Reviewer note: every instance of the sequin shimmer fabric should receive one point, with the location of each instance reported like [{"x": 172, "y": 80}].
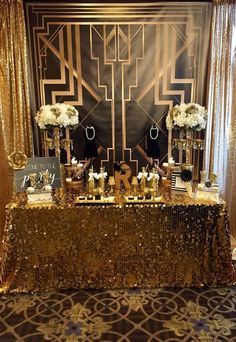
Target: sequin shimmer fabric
[{"x": 147, "y": 246}]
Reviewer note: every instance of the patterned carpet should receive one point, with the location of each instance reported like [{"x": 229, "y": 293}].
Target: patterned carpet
[{"x": 171, "y": 315}]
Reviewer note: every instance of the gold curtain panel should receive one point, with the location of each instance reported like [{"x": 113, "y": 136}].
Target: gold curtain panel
[
  {"x": 14, "y": 93},
  {"x": 147, "y": 245},
  {"x": 15, "y": 122}
]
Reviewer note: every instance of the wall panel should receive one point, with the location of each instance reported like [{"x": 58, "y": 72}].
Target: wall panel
[{"x": 122, "y": 65}]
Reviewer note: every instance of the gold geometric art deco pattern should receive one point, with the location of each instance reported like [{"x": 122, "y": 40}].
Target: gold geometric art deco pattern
[{"x": 122, "y": 65}]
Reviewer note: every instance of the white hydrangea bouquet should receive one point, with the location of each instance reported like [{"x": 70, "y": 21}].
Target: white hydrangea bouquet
[
  {"x": 57, "y": 115},
  {"x": 187, "y": 116}
]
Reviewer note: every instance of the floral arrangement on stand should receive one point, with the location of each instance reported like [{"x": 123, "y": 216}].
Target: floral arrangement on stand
[
  {"x": 57, "y": 116},
  {"x": 188, "y": 119},
  {"x": 187, "y": 116}
]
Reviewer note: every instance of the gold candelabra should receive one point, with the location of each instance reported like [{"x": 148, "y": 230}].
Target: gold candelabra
[{"x": 56, "y": 143}]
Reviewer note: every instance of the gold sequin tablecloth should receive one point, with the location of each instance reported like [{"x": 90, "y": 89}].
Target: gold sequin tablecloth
[{"x": 116, "y": 247}]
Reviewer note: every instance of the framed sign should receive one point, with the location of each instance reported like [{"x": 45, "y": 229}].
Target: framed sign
[{"x": 37, "y": 166}]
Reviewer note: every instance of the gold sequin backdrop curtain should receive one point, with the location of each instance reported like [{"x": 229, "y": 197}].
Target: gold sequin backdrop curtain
[
  {"x": 220, "y": 156},
  {"x": 15, "y": 123}
]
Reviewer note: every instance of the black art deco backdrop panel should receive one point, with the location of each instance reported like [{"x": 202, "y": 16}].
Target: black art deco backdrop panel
[{"x": 122, "y": 65}]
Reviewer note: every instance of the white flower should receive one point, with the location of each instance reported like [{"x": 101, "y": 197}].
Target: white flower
[
  {"x": 59, "y": 114},
  {"x": 190, "y": 115}
]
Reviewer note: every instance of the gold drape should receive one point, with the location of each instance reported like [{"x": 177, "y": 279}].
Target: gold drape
[
  {"x": 15, "y": 125},
  {"x": 220, "y": 154}
]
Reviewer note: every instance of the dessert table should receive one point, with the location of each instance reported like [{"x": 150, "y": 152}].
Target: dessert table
[{"x": 115, "y": 246}]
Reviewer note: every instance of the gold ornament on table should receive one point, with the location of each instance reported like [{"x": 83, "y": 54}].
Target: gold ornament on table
[
  {"x": 32, "y": 178},
  {"x": 101, "y": 180},
  {"x": 91, "y": 181},
  {"x": 134, "y": 184},
  {"x": 17, "y": 160},
  {"x": 45, "y": 175},
  {"x": 39, "y": 192},
  {"x": 111, "y": 183},
  {"x": 142, "y": 176},
  {"x": 153, "y": 181}
]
